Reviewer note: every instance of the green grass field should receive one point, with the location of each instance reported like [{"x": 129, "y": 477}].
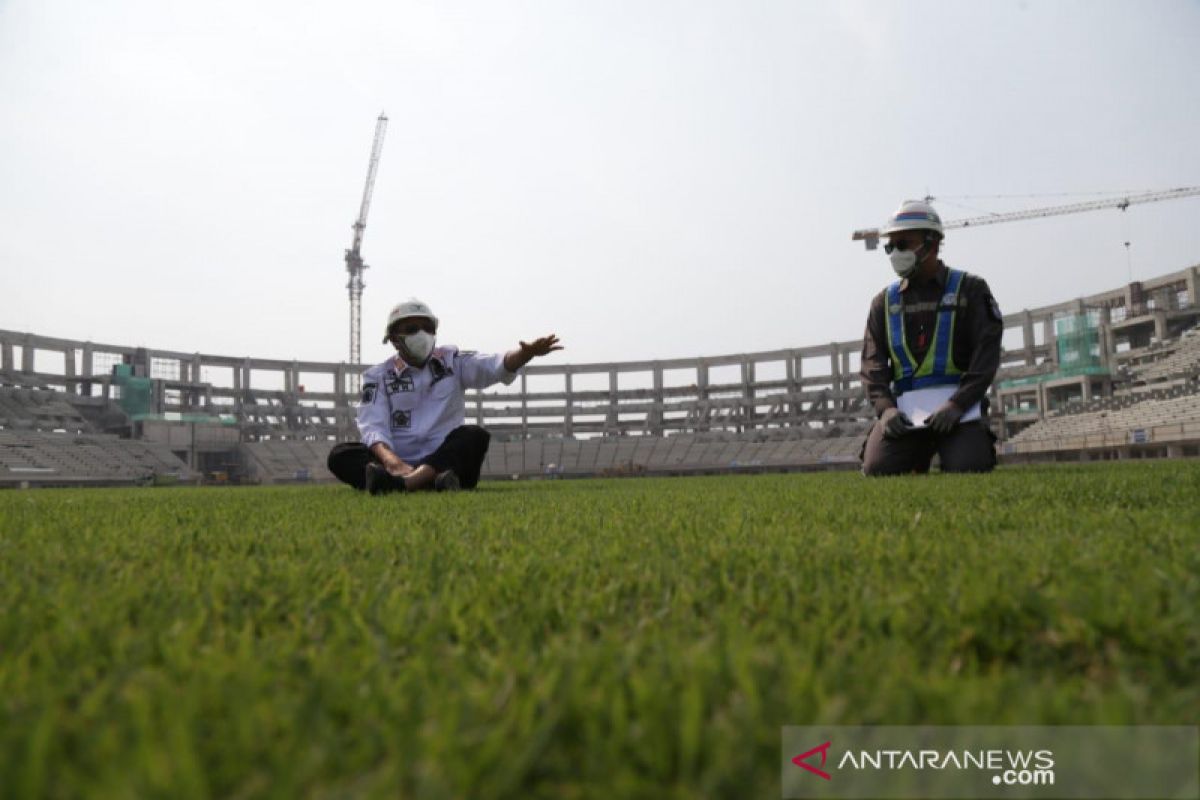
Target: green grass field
[{"x": 620, "y": 638}]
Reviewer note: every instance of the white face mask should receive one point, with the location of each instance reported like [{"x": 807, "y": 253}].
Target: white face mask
[
  {"x": 418, "y": 345},
  {"x": 904, "y": 262}
]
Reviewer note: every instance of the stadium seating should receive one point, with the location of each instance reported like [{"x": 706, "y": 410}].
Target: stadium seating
[
  {"x": 672, "y": 454},
  {"x": 1181, "y": 359},
  {"x": 39, "y": 409},
  {"x": 1122, "y": 417},
  {"x": 287, "y": 461},
  {"x": 39, "y": 458}
]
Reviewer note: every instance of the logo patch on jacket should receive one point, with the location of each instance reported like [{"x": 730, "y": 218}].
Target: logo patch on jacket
[
  {"x": 368, "y": 395},
  {"x": 399, "y": 383},
  {"x": 401, "y": 418}
]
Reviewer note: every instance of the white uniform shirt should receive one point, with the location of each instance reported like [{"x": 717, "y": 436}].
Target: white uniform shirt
[{"x": 413, "y": 409}]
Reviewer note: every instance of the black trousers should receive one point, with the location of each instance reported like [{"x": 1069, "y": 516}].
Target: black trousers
[
  {"x": 463, "y": 451},
  {"x": 970, "y": 447}
]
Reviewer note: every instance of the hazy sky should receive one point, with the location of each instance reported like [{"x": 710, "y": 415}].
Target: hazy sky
[{"x": 647, "y": 179}]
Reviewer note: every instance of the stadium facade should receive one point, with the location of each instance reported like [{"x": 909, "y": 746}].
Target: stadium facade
[{"x": 1112, "y": 375}]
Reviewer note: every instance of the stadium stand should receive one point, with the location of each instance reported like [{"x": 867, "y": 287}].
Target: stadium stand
[
  {"x": 287, "y": 461},
  {"x": 1109, "y": 375},
  {"x": 50, "y": 459}
]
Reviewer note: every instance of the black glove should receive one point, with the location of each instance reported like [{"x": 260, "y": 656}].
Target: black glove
[
  {"x": 895, "y": 423},
  {"x": 945, "y": 418}
]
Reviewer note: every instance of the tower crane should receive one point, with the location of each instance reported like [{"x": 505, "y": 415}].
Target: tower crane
[
  {"x": 354, "y": 261},
  {"x": 870, "y": 236}
]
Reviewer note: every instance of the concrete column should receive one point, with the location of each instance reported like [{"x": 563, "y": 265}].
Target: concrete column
[
  {"x": 524, "y": 407},
  {"x": 844, "y": 384},
  {"x": 1192, "y": 281},
  {"x": 339, "y": 383},
  {"x": 569, "y": 415},
  {"x": 69, "y": 362},
  {"x": 1104, "y": 330},
  {"x": 656, "y": 413},
  {"x": 1051, "y": 339},
  {"x": 1160, "y": 324},
  {"x": 86, "y": 369},
  {"x": 790, "y": 365},
  {"x": 612, "y": 418},
  {"x": 1027, "y": 336},
  {"x": 748, "y": 420},
  {"x": 27, "y": 350},
  {"x": 6, "y": 357}
]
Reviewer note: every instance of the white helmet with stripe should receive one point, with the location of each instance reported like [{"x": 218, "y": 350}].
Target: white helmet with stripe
[
  {"x": 913, "y": 215},
  {"x": 412, "y": 307}
]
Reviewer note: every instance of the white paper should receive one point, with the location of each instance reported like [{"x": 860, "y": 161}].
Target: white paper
[{"x": 919, "y": 404}]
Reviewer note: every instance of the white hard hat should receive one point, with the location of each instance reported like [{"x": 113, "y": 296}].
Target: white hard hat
[
  {"x": 412, "y": 307},
  {"x": 913, "y": 215}
]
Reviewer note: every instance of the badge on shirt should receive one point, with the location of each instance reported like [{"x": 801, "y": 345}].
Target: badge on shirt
[
  {"x": 368, "y": 395},
  {"x": 401, "y": 419},
  {"x": 399, "y": 383}
]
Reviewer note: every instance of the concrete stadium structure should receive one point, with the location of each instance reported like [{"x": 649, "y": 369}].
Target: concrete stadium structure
[{"x": 1112, "y": 375}]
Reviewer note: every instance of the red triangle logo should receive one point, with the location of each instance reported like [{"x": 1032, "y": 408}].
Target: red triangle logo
[{"x": 800, "y": 760}]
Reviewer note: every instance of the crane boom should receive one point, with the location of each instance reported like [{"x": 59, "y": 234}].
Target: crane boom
[
  {"x": 354, "y": 261},
  {"x": 870, "y": 236},
  {"x": 360, "y": 225}
]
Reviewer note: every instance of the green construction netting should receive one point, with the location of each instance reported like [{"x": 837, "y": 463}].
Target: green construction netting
[
  {"x": 137, "y": 398},
  {"x": 1077, "y": 341},
  {"x": 137, "y": 394}
]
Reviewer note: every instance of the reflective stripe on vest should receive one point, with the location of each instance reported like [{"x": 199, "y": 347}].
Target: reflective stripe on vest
[{"x": 938, "y": 367}]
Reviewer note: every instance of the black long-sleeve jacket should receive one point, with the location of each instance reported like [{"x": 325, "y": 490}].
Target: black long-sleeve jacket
[{"x": 978, "y": 330}]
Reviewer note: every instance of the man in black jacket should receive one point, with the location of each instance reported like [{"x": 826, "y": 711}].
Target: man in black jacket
[{"x": 931, "y": 349}]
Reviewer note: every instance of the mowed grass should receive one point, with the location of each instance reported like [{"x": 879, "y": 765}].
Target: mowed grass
[{"x": 620, "y": 638}]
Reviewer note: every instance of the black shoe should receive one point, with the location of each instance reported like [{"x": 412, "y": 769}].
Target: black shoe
[
  {"x": 380, "y": 481},
  {"x": 447, "y": 482}
]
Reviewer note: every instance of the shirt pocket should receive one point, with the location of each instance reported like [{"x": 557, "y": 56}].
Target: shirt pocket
[
  {"x": 404, "y": 401},
  {"x": 444, "y": 389}
]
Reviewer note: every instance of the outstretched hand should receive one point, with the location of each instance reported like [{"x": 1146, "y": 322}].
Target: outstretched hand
[{"x": 540, "y": 347}]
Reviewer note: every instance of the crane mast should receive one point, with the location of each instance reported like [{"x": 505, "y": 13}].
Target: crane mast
[
  {"x": 870, "y": 236},
  {"x": 354, "y": 261}
]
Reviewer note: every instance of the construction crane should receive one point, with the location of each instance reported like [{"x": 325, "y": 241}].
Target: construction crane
[
  {"x": 870, "y": 236},
  {"x": 354, "y": 261}
]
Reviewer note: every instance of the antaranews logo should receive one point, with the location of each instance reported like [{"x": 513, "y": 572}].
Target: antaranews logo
[
  {"x": 1008, "y": 767},
  {"x": 929, "y": 762}
]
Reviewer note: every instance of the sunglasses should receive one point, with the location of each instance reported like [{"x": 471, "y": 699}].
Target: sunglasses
[
  {"x": 902, "y": 246},
  {"x": 409, "y": 328}
]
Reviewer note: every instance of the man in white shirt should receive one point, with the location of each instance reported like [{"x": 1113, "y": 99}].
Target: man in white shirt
[{"x": 412, "y": 411}]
